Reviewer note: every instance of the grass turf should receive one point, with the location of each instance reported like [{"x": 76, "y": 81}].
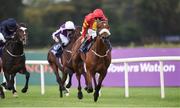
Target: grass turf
[{"x": 111, "y": 97}]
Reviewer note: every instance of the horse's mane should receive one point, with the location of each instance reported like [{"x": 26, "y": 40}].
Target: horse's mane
[
  {"x": 77, "y": 30},
  {"x": 76, "y": 33}
]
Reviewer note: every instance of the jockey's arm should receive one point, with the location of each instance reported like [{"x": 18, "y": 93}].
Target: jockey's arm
[
  {"x": 55, "y": 35},
  {"x": 84, "y": 28}
]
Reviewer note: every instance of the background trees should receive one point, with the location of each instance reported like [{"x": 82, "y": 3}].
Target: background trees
[{"x": 131, "y": 21}]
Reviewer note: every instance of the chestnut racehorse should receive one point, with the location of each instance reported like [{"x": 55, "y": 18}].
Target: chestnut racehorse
[
  {"x": 64, "y": 64},
  {"x": 96, "y": 60}
]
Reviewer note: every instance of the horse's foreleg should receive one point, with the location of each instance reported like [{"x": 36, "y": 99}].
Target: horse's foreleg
[
  {"x": 64, "y": 78},
  {"x": 95, "y": 83},
  {"x": 58, "y": 78},
  {"x": 70, "y": 74},
  {"x": 86, "y": 82},
  {"x": 27, "y": 74},
  {"x": 10, "y": 82},
  {"x": 98, "y": 87},
  {"x": 11, "y": 85},
  {"x": 80, "y": 95},
  {"x": 89, "y": 82},
  {"x": 2, "y": 95},
  {"x": 7, "y": 77}
]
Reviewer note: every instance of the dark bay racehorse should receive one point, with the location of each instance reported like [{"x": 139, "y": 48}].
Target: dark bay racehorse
[
  {"x": 64, "y": 64},
  {"x": 13, "y": 59},
  {"x": 96, "y": 60}
]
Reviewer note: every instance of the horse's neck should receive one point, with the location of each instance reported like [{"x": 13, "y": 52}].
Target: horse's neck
[
  {"x": 70, "y": 45},
  {"x": 99, "y": 47},
  {"x": 17, "y": 48}
]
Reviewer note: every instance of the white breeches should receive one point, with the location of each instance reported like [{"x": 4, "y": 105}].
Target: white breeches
[
  {"x": 64, "y": 39},
  {"x": 92, "y": 33}
]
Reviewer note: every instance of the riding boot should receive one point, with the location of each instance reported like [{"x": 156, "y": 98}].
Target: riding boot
[
  {"x": 86, "y": 45},
  {"x": 57, "y": 50}
]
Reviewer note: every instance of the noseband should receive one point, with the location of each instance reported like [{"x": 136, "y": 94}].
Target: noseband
[{"x": 105, "y": 40}]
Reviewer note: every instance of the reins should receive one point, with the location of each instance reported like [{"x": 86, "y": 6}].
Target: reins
[{"x": 13, "y": 55}]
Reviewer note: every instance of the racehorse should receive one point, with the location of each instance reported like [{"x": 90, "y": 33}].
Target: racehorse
[
  {"x": 13, "y": 59},
  {"x": 64, "y": 64},
  {"x": 96, "y": 60}
]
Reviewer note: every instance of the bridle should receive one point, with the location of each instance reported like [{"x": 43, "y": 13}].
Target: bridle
[
  {"x": 103, "y": 34},
  {"x": 21, "y": 39}
]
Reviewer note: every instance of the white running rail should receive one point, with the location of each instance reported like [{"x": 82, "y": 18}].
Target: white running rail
[{"x": 160, "y": 59}]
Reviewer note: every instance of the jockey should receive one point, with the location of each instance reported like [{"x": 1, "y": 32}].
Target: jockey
[
  {"x": 7, "y": 29},
  {"x": 90, "y": 27},
  {"x": 61, "y": 37}
]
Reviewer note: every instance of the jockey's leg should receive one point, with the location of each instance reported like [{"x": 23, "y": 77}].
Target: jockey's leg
[
  {"x": 83, "y": 46},
  {"x": 57, "y": 50},
  {"x": 86, "y": 45}
]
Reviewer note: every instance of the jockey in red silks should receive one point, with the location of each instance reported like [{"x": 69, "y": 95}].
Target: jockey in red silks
[
  {"x": 61, "y": 37},
  {"x": 90, "y": 28}
]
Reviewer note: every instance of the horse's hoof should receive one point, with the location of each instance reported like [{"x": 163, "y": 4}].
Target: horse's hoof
[
  {"x": 86, "y": 88},
  {"x": 80, "y": 95},
  {"x": 2, "y": 95},
  {"x": 96, "y": 97},
  {"x": 24, "y": 90},
  {"x": 15, "y": 94},
  {"x": 4, "y": 84},
  {"x": 89, "y": 90},
  {"x": 66, "y": 92},
  {"x": 68, "y": 85}
]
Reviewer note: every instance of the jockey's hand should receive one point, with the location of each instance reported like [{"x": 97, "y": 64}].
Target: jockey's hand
[
  {"x": 55, "y": 38},
  {"x": 2, "y": 38}
]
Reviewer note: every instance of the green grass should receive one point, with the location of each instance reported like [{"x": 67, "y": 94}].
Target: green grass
[{"x": 111, "y": 97}]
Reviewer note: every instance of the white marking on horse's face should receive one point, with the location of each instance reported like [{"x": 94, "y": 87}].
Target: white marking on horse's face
[
  {"x": 104, "y": 30},
  {"x": 23, "y": 29}
]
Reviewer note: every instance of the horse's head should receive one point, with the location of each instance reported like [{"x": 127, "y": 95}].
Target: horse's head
[
  {"x": 21, "y": 33},
  {"x": 103, "y": 29},
  {"x": 75, "y": 34},
  {"x": 104, "y": 33}
]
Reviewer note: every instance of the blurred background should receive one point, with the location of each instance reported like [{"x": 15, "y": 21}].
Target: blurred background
[{"x": 133, "y": 22}]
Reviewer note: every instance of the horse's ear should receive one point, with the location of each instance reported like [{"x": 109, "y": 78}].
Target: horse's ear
[
  {"x": 77, "y": 31},
  {"x": 22, "y": 25},
  {"x": 78, "y": 27}
]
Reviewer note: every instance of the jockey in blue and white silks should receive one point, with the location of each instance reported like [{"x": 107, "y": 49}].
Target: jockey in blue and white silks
[
  {"x": 7, "y": 29},
  {"x": 61, "y": 37}
]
